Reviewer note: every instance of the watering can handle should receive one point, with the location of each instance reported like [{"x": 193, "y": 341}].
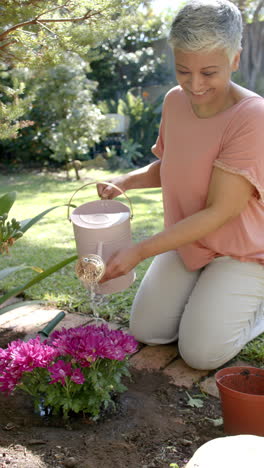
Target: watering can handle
[{"x": 105, "y": 183}]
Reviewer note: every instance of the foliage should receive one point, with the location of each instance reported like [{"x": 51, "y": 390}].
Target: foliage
[
  {"x": 12, "y": 105},
  {"x": 144, "y": 119},
  {"x": 9, "y": 113},
  {"x": 70, "y": 122},
  {"x": 252, "y": 10},
  {"x": 194, "y": 402},
  {"x": 128, "y": 157},
  {"x": 254, "y": 351},
  {"x": 66, "y": 122},
  {"x": 40, "y": 31},
  {"x": 129, "y": 60},
  {"x": 37, "y": 34},
  {"x": 43, "y": 275},
  {"x": 144, "y": 122},
  {"x": 55, "y": 135},
  {"x": 10, "y": 232},
  {"x": 74, "y": 370},
  {"x": 130, "y": 152},
  {"x": 260, "y": 86}
]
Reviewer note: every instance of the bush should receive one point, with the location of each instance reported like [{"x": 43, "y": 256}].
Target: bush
[{"x": 143, "y": 128}]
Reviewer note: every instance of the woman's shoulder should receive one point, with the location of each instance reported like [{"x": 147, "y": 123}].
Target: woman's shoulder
[
  {"x": 240, "y": 92},
  {"x": 248, "y": 108},
  {"x": 246, "y": 117},
  {"x": 247, "y": 98},
  {"x": 175, "y": 96},
  {"x": 174, "y": 93}
]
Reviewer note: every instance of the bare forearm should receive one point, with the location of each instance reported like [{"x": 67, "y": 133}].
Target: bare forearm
[
  {"x": 145, "y": 177},
  {"x": 228, "y": 196},
  {"x": 184, "y": 232}
]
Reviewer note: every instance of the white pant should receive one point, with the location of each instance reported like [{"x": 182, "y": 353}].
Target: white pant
[{"x": 213, "y": 312}]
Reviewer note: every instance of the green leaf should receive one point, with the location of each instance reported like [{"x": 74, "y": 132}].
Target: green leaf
[
  {"x": 6, "y": 202},
  {"x": 76, "y": 406},
  {"x": 37, "y": 279},
  {"x": 3, "y": 310},
  {"x": 194, "y": 402},
  {"x": 27, "y": 223},
  {"x": 42, "y": 387},
  {"x": 10, "y": 270},
  {"x": 216, "y": 422}
]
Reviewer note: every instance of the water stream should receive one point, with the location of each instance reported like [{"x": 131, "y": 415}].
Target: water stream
[{"x": 95, "y": 301}]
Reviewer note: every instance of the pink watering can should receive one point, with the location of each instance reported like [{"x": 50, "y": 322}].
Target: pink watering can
[{"x": 101, "y": 228}]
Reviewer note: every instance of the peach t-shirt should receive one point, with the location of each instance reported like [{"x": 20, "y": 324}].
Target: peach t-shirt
[{"x": 189, "y": 148}]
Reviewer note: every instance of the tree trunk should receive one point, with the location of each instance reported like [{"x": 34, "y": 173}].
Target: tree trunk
[{"x": 252, "y": 54}]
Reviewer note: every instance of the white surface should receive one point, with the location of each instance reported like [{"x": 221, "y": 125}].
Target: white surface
[
  {"x": 241, "y": 451},
  {"x": 104, "y": 220}
]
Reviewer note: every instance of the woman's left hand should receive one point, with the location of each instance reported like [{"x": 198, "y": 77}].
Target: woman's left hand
[{"x": 121, "y": 263}]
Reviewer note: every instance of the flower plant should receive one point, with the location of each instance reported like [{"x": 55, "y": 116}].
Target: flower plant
[
  {"x": 76, "y": 369},
  {"x": 10, "y": 232}
]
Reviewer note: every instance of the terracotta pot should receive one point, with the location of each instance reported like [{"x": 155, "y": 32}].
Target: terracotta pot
[{"x": 242, "y": 398}]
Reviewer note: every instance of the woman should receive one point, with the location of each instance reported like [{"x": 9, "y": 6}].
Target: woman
[{"x": 205, "y": 286}]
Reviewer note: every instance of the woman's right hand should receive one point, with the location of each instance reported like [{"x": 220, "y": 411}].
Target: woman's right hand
[{"x": 107, "y": 191}]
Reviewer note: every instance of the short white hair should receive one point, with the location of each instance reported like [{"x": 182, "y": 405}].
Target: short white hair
[{"x": 207, "y": 25}]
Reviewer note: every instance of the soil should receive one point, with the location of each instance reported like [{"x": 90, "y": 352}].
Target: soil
[{"x": 152, "y": 427}]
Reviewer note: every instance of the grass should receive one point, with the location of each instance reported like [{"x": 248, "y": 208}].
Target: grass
[
  {"x": 51, "y": 240},
  {"x": 254, "y": 351}
]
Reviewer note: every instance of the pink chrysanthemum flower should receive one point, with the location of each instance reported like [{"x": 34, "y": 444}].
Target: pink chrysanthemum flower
[
  {"x": 86, "y": 344},
  {"x": 59, "y": 371},
  {"x": 78, "y": 377},
  {"x": 62, "y": 355},
  {"x": 20, "y": 357}
]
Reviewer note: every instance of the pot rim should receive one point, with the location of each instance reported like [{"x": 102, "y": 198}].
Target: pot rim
[{"x": 237, "y": 370}]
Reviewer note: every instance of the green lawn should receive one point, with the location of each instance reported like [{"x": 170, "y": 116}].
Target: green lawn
[{"x": 51, "y": 240}]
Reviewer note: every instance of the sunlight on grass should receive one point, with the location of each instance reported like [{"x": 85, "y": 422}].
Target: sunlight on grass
[
  {"x": 52, "y": 240},
  {"x": 254, "y": 351}
]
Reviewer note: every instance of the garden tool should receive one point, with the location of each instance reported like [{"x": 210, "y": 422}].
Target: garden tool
[{"x": 101, "y": 228}]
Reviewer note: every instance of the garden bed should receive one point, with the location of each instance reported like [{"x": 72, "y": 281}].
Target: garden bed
[{"x": 153, "y": 426}]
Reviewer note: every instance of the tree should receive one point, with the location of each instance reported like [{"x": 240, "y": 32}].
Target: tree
[
  {"x": 36, "y": 33},
  {"x": 66, "y": 122},
  {"x": 253, "y": 40},
  {"x": 250, "y": 9},
  {"x": 129, "y": 60},
  {"x": 71, "y": 123}
]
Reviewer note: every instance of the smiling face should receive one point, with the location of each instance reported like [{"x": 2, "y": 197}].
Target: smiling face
[{"x": 205, "y": 78}]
